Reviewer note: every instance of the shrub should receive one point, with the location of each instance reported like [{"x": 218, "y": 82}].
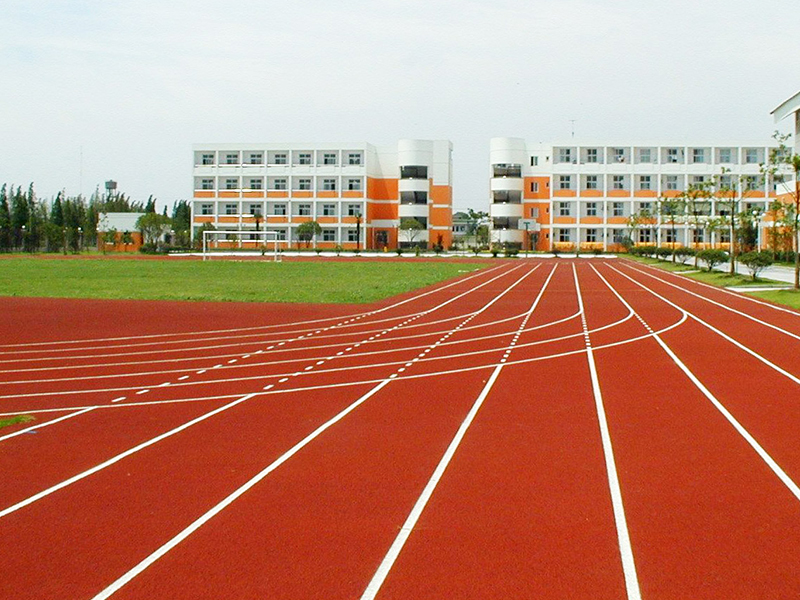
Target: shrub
[
  {"x": 597, "y": 251},
  {"x": 495, "y": 251},
  {"x": 681, "y": 253},
  {"x": 647, "y": 250},
  {"x": 756, "y": 262},
  {"x": 511, "y": 252},
  {"x": 556, "y": 252},
  {"x": 663, "y": 253},
  {"x": 399, "y": 251},
  {"x": 712, "y": 258}
]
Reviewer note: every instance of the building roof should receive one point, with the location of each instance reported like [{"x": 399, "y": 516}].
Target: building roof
[{"x": 786, "y": 108}]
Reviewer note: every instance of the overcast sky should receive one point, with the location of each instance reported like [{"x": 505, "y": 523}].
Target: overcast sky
[{"x": 130, "y": 86}]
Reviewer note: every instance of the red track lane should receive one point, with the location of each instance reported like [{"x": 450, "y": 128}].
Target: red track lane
[
  {"x": 707, "y": 518},
  {"x": 524, "y": 509}
]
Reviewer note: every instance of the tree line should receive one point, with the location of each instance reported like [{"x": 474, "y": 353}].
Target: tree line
[{"x": 29, "y": 223}]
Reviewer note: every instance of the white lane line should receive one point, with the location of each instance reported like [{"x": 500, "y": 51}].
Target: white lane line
[
  {"x": 201, "y": 372},
  {"x": 765, "y": 456},
  {"x": 144, "y": 564},
  {"x": 405, "y": 531},
  {"x": 120, "y": 399},
  {"x": 119, "y": 457},
  {"x": 140, "y": 392},
  {"x": 45, "y": 424},
  {"x": 623, "y": 536},
  {"x": 183, "y": 378},
  {"x": 165, "y": 384}
]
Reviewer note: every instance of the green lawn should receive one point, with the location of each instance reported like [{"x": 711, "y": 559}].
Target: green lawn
[
  {"x": 8, "y": 421},
  {"x": 790, "y": 298},
  {"x": 222, "y": 280}
]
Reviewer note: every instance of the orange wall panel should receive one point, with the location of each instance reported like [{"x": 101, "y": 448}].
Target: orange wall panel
[
  {"x": 253, "y": 194},
  {"x": 229, "y": 219},
  {"x": 382, "y": 189},
  {"x": 326, "y": 220},
  {"x": 203, "y": 194},
  {"x": 544, "y": 188},
  {"x": 379, "y": 211},
  {"x": 277, "y": 220},
  {"x": 352, "y": 194},
  {"x": 229, "y": 194},
  {"x": 617, "y": 220},
  {"x": 440, "y": 217},
  {"x": 592, "y": 220},
  {"x": 441, "y": 194},
  {"x": 302, "y": 194},
  {"x": 327, "y": 194},
  {"x": 591, "y": 193},
  {"x": 564, "y": 193},
  {"x": 277, "y": 194},
  {"x": 204, "y": 219},
  {"x": 619, "y": 194},
  {"x": 645, "y": 194},
  {"x": 564, "y": 220},
  {"x": 670, "y": 193}
]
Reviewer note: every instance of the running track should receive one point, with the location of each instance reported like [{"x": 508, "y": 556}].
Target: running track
[{"x": 539, "y": 429}]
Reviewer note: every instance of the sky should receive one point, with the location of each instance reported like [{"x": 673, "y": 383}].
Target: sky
[{"x": 92, "y": 90}]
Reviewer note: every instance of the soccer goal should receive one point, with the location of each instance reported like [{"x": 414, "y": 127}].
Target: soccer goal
[{"x": 230, "y": 242}]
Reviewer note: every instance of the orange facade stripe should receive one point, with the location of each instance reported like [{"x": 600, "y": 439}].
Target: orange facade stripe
[
  {"x": 253, "y": 194},
  {"x": 204, "y": 219},
  {"x": 229, "y": 219},
  {"x": 377, "y": 212},
  {"x": 277, "y": 194},
  {"x": 619, "y": 194},
  {"x": 645, "y": 194},
  {"x": 352, "y": 194},
  {"x": 591, "y": 193},
  {"x": 326, "y": 220},
  {"x": 277, "y": 220},
  {"x": 440, "y": 217},
  {"x": 564, "y": 193},
  {"x": 297, "y": 194},
  {"x": 441, "y": 194},
  {"x": 382, "y": 189},
  {"x": 592, "y": 220},
  {"x": 328, "y": 194},
  {"x": 564, "y": 220},
  {"x": 544, "y": 188},
  {"x": 203, "y": 194},
  {"x": 617, "y": 221},
  {"x": 229, "y": 194}
]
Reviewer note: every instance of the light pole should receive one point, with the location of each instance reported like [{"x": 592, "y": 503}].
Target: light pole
[
  {"x": 527, "y": 239},
  {"x": 80, "y": 239}
]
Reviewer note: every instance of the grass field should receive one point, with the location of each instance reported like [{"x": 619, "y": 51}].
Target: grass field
[{"x": 247, "y": 281}]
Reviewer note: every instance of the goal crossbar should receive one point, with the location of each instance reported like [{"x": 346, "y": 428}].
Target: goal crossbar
[{"x": 240, "y": 243}]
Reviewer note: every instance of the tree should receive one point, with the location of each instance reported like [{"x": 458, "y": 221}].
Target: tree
[
  {"x": 411, "y": 228},
  {"x": 110, "y": 239},
  {"x": 672, "y": 210},
  {"x": 5, "y": 222},
  {"x": 783, "y": 160},
  {"x": 150, "y": 207},
  {"x": 475, "y": 218},
  {"x": 153, "y": 227},
  {"x": 307, "y": 231},
  {"x": 698, "y": 203},
  {"x": 127, "y": 238}
]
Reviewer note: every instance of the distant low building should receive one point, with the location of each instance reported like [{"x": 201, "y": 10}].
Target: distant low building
[{"x": 127, "y": 237}]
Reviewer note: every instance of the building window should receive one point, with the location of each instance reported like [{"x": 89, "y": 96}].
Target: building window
[
  {"x": 591, "y": 235},
  {"x": 618, "y": 236},
  {"x": 564, "y": 209},
  {"x": 413, "y": 172},
  {"x": 535, "y": 187},
  {"x": 534, "y": 161},
  {"x": 564, "y": 235},
  {"x": 255, "y": 209},
  {"x": 304, "y": 184},
  {"x": 645, "y": 236},
  {"x": 534, "y": 212},
  {"x": 231, "y": 184},
  {"x": 645, "y": 206},
  {"x": 698, "y": 155},
  {"x": 328, "y": 235},
  {"x": 329, "y": 185},
  {"x": 565, "y": 155},
  {"x": 231, "y": 209},
  {"x": 619, "y": 155},
  {"x": 354, "y": 185},
  {"x": 353, "y": 210},
  {"x": 618, "y": 182},
  {"x": 256, "y": 158},
  {"x": 279, "y": 210},
  {"x": 354, "y": 158},
  {"x": 591, "y": 182},
  {"x": 671, "y": 236},
  {"x": 672, "y": 182},
  {"x": 725, "y": 155},
  {"x": 422, "y": 197},
  {"x": 256, "y": 184},
  {"x": 304, "y": 210},
  {"x": 645, "y": 155},
  {"x": 698, "y": 236},
  {"x": 208, "y": 159},
  {"x": 232, "y": 159},
  {"x": 304, "y": 158},
  {"x": 751, "y": 156},
  {"x": 279, "y": 184},
  {"x": 618, "y": 209},
  {"x": 280, "y": 159},
  {"x": 565, "y": 182},
  {"x": 672, "y": 155},
  {"x": 207, "y": 184},
  {"x": 751, "y": 182},
  {"x": 645, "y": 182},
  {"x": 726, "y": 182},
  {"x": 591, "y": 209},
  {"x": 206, "y": 209},
  {"x": 352, "y": 235},
  {"x": 698, "y": 180},
  {"x": 328, "y": 210},
  {"x": 329, "y": 158},
  {"x": 591, "y": 155}
]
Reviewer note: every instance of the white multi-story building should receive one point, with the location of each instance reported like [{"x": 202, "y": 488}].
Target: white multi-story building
[
  {"x": 597, "y": 195},
  {"x": 358, "y": 193}
]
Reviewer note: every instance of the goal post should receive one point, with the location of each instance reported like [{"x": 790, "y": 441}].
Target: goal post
[{"x": 242, "y": 240}]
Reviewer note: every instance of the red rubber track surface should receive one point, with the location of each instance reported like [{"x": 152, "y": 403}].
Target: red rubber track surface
[{"x": 335, "y": 419}]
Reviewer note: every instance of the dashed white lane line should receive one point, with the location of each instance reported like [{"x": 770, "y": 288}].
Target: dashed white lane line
[
  {"x": 140, "y": 392},
  {"x": 231, "y": 361},
  {"x": 183, "y": 378},
  {"x": 284, "y": 380},
  {"x": 269, "y": 387},
  {"x": 120, "y": 399},
  {"x": 216, "y": 366},
  {"x": 165, "y": 384},
  {"x": 201, "y": 371}
]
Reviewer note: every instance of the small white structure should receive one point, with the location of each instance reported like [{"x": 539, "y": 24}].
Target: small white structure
[{"x": 786, "y": 108}]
